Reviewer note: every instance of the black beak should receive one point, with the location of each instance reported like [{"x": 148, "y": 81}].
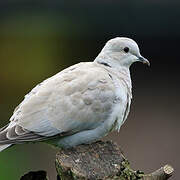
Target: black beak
[{"x": 144, "y": 60}]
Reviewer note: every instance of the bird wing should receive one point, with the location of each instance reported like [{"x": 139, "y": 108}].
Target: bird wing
[{"x": 78, "y": 98}]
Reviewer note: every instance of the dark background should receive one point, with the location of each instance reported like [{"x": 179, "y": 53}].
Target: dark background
[{"x": 40, "y": 38}]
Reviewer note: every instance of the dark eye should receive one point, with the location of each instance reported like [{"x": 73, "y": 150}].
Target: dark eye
[{"x": 126, "y": 49}]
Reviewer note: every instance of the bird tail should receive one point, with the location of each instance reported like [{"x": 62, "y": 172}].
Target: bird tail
[
  {"x": 3, "y": 147},
  {"x": 14, "y": 134}
]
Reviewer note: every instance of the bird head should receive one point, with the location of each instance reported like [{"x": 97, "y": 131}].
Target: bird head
[{"x": 122, "y": 51}]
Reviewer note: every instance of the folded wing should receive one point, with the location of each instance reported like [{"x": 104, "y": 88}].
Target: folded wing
[{"x": 78, "y": 98}]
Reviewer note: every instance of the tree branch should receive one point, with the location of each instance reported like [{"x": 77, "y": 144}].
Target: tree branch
[
  {"x": 99, "y": 160},
  {"x": 161, "y": 174}
]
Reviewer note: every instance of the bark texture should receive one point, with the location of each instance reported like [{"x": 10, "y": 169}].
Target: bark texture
[{"x": 99, "y": 160}]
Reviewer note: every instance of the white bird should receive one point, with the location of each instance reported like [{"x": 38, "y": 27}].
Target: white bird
[{"x": 80, "y": 104}]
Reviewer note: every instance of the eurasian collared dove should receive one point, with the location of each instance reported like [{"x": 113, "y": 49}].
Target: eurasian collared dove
[{"x": 80, "y": 104}]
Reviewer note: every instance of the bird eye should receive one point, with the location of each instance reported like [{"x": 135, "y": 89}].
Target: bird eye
[{"x": 126, "y": 49}]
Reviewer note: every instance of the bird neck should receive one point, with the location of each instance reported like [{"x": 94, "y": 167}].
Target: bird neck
[
  {"x": 106, "y": 59},
  {"x": 112, "y": 65}
]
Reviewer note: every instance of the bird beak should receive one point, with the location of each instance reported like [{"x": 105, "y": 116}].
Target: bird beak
[{"x": 144, "y": 60}]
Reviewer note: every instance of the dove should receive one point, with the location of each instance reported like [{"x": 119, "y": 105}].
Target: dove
[{"x": 80, "y": 104}]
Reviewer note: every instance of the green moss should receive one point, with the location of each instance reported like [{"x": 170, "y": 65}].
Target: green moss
[{"x": 127, "y": 173}]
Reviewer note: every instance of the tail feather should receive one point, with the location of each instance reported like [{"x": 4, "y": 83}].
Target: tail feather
[
  {"x": 2, "y": 147},
  {"x": 15, "y": 134}
]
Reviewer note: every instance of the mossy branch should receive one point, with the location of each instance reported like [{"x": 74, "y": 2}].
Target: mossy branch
[{"x": 100, "y": 160}]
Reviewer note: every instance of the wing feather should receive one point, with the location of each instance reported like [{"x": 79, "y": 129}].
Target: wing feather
[{"x": 78, "y": 98}]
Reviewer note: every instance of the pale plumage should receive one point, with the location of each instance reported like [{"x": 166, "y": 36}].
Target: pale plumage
[{"x": 78, "y": 105}]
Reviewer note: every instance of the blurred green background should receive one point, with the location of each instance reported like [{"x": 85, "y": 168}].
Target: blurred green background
[{"x": 40, "y": 38}]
